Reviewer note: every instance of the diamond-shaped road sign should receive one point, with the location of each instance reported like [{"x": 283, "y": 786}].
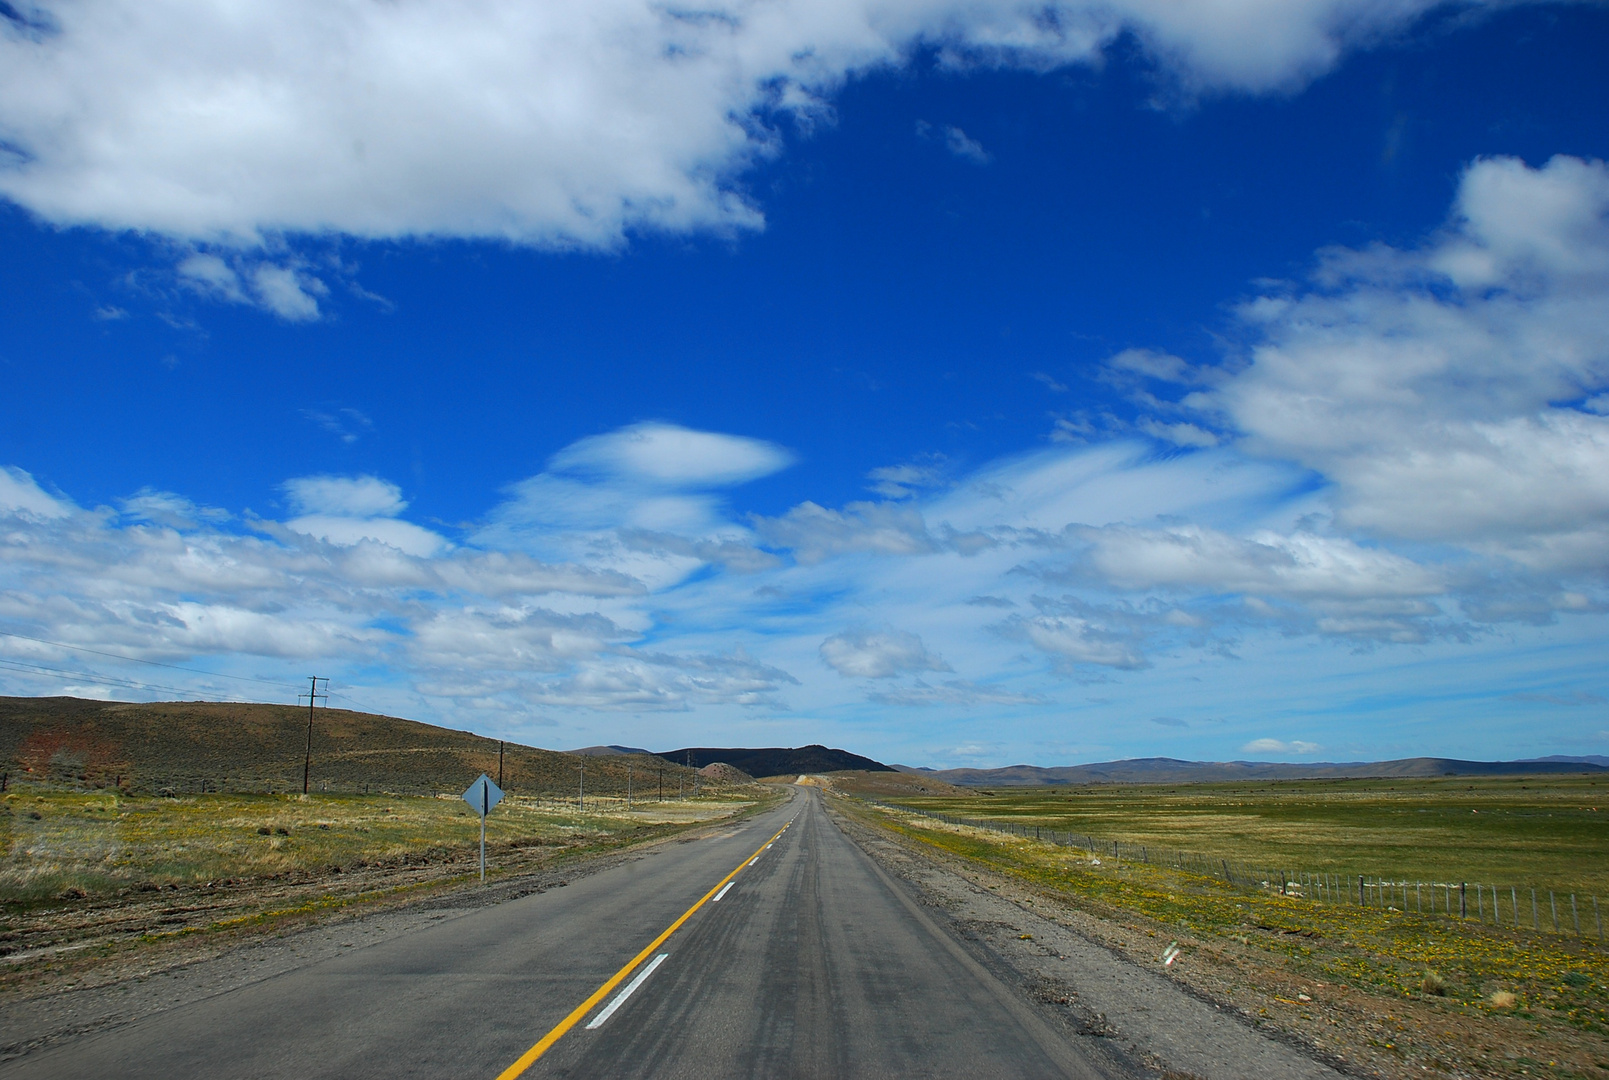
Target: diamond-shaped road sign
[{"x": 483, "y": 795}]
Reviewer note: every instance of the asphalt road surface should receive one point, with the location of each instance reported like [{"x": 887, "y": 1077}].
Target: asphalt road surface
[{"x": 805, "y": 962}]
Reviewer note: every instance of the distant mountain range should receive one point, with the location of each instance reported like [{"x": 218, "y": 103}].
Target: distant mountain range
[
  {"x": 1173, "y": 771},
  {"x": 776, "y": 760}
]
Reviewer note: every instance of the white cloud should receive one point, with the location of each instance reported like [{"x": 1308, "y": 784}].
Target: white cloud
[
  {"x": 167, "y": 508},
  {"x": 557, "y": 124},
  {"x": 671, "y": 456},
  {"x": 814, "y": 533},
  {"x": 348, "y": 510},
  {"x": 1301, "y": 565},
  {"x": 878, "y": 654},
  {"x": 348, "y": 496},
  {"x": 20, "y": 494},
  {"x": 904, "y": 481},
  {"x": 285, "y": 290},
  {"x": 964, "y": 146},
  {"x": 1446, "y": 390},
  {"x": 1075, "y": 641},
  {"x": 1278, "y": 746},
  {"x": 287, "y": 293},
  {"x": 345, "y": 531}
]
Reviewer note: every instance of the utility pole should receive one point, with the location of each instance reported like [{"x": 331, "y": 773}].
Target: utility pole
[
  {"x": 312, "y": 696},
  {"x": 500, "y": 764},
  {"x": 628, "y": 783},
  {"x": 583, "y": 800},
  {"x": 661, "y": 772}
]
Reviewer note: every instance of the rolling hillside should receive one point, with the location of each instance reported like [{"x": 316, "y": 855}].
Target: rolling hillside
[{"x": 185, "y": 747}]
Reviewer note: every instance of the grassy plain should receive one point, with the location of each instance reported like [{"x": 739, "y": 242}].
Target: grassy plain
[
  {"x": 1548, "y": 832},
  {"x": 105, "y": 870},
  {"x": 1352, "y": 982}
]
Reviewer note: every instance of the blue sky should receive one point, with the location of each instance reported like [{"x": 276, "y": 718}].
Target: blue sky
[{"x": 958, "y": 384}]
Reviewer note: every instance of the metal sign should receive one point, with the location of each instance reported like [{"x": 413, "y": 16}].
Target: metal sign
[{"x": 481, "y": 796}]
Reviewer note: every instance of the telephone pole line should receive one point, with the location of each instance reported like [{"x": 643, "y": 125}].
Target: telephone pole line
[{"x": 312, "y": 696}]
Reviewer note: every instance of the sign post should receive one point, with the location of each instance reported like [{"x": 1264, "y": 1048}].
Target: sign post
[{"x": 481, "y": 797}]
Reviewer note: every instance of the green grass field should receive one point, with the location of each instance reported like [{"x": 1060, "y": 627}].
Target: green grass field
[
  {"x": 1551, "y": 832},
  {"x": 1461, "y": 995}
]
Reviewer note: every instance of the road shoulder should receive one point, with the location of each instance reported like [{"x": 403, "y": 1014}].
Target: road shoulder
[{"x": 1094, "y": 993}]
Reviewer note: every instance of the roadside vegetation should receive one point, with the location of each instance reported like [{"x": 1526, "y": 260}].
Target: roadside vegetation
[
  {"x": 1398, "y": 992},
  {"x": 103, "y": 870}
]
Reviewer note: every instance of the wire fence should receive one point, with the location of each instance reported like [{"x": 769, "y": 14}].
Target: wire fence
[{"x": 1504, "y": 906}]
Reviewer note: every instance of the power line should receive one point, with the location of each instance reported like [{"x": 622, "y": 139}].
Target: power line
[
  {"x": 112, "y": 680},
  {"x": 98, "y": 680}
]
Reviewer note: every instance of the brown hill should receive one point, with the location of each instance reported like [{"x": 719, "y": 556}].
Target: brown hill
[
  {"x": 723, "y": 773},
  {"x": 182, "y": 746}
]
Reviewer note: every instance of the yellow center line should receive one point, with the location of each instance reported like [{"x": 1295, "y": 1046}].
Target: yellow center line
[{"x": 528, "y": 1058}]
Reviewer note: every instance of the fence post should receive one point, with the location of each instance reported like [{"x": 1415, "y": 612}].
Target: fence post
[
  {"x": 1536, "y": 919},
  {"x": 1463, "y": 900},
  {"x": 1553, "y": 905},
  {"x": 1599, "y": 919},
  {"x": 1360, "y": 890},
  {"x": 1574, "y": 917}
]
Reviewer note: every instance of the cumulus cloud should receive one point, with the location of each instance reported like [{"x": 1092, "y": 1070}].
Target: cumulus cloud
[
  {"x": 1279, "y": 746},
  {"x": 547, "y": 124},
  {"x": 1446, "y": 390},
  {"x": 878, "y": 654},
  {"x": 463, "y": 627}
]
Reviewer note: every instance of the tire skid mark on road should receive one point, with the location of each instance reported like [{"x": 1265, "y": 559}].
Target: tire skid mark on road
[{"x": 529, "y": 1058}]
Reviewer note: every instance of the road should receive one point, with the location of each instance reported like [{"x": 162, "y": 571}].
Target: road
[{"x": 809, "y": 962}]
